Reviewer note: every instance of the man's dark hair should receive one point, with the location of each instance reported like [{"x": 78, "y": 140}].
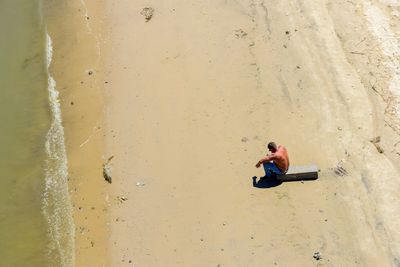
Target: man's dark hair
[{"x": 272, "y": 145}]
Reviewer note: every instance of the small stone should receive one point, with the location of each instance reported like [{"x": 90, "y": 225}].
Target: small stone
[
  {"x": 122, "y": 199},
  {"x": 339, "y": 128},
  {"x": 106, "y": 174},
  {"x": 287, "y": 32},
  {"x": 379, "y": 148},
  {"x": 130, "y": 261},
  {"x": 72, "y": 103},
  {"x": 317, "y": 256},
  {"x": 90, "y": 72},
  {"x": 244, "y": 139},
  {"x": 107, "y": 170},
  {"x": 140, "y": 184}
]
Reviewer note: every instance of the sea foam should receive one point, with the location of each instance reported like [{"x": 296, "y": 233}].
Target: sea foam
[{"x": 57, "y": 207}]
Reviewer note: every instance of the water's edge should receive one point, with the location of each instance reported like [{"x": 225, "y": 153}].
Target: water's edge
[{"x": 57, "y": 207}]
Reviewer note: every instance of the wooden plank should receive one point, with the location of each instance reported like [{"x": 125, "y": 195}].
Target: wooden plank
[{"x": 299, "y": 173}]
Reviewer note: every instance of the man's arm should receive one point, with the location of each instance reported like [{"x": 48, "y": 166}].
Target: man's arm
[{"x": 265, "y": 159}]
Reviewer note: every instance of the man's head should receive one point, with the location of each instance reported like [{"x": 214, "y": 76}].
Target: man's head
[{"x": 272, "y": 147}]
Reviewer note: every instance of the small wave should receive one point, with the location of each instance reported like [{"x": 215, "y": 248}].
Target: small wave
[{"x": 57, "y": 207}]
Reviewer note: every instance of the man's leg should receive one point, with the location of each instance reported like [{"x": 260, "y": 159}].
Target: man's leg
[
  {"x": 267, "y": 168},
  {"x": 271, "y": 170}
]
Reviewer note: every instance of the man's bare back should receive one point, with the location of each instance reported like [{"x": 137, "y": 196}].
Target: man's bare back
[{"x": 278, "y": 156}]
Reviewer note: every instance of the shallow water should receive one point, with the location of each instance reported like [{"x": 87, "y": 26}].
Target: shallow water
[{"x": 27, "y": 118}]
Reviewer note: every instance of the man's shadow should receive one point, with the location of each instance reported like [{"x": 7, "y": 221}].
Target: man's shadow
[{"x": 265, "y": 182}]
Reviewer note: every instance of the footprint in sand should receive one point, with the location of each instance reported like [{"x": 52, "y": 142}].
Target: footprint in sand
[
  {"x": 147, "y": 12},
  {"x": 240, "y": 33}
]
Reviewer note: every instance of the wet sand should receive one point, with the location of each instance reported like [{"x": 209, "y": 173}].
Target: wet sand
[
  {"x": 76, "y": 30},
  {"x": 192, "y": 95}
]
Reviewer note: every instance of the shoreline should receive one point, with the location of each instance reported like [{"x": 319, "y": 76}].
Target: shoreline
[{"x": 75, "y": 29}]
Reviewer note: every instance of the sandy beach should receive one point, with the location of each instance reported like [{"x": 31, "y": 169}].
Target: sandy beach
[
  {"x": 186, "y": 94},
  {"x": 77, "y": 68}
]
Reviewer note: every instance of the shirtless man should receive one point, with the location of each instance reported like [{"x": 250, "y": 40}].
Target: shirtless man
[{"x": 277, "y": 162}]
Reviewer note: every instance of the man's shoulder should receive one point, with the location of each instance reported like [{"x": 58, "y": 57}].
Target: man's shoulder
[{"x": 282, "y": 148}]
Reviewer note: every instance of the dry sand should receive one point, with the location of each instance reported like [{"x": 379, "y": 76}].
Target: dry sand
[{"x": 192, "y": 97}]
